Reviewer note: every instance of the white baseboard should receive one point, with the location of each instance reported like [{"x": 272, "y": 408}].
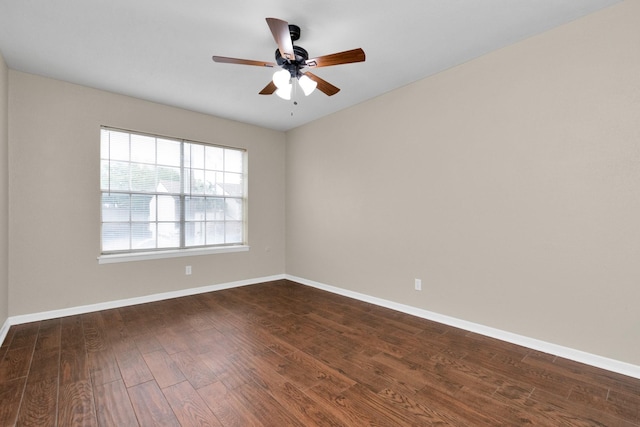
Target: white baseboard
[
  {"x": 532, "y": 343},
  {"x": 535, "y": 344},
  {"x": 54, "y": 314},
  {"x": 4, "y": 331}
]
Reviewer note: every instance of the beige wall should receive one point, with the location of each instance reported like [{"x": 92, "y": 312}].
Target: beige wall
[
  {"x": 4, "y": 192},
  {"x": 54, "y": 235},
  {"x": 510, "y": 185}
]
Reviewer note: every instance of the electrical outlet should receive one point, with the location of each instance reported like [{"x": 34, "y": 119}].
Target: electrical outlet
[
  {"x": 187, "y": 270},
  {"x": 418, "y": 285}
]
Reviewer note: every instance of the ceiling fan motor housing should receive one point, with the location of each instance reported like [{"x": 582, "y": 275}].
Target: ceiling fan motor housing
[{"x": 293, "y": 67}]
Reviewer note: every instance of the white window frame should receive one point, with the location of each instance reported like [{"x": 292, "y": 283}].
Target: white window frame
[{"x": 182, "y": 249}]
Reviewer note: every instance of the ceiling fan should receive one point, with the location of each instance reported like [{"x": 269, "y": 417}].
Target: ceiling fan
[{"x": 293, "y": 59}]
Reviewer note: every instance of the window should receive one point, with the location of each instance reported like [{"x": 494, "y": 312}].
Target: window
[{"x": 164, "y": 194}]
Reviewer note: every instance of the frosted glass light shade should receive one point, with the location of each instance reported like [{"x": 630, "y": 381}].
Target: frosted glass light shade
[
  {"x": 282, "y": 79},
  {"x": 307, "y": 85},
  {"x": 284, "y": 92}
]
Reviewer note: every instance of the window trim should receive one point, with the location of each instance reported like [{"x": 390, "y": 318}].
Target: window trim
[
  {"x": 169, "y": 253},
  {"x": 175, "y": 252}
]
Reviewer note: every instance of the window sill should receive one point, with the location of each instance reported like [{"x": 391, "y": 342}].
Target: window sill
[{"x": 176, "y": 253}]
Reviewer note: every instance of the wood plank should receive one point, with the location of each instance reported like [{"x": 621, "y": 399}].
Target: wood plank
[
  {"x": 369, "y": 402},
  {"x": 174, "y": 339},
  {"x": 74, "y": 365},
  {"x": 45, "y": 364},
  {"x": 188, "y": 406},
  {"x": 39, "y": 404},
  {"x": 457, "y": 411},
  {"x": 46, "y": 355},
  {"x": 150, "y": 405},
  {"x": 572, "y": 413},
  {"x": 132, "y": 365},
  {"x": 114, "y": 326},
  {"x": 194, "y": 369},
  {"x": 208, "y": 340},
  {"x": 134, "y": 320},
  {"x": 618, "y": 404},
  {"x": 8, "y": 338},
  {"x": 25, "y": 335},
  {"x": 75, "y": 404},
  {"x": 262, "y": 405},
  {"x": 103, "y": 367},
  {"x": 291, "y": 397},
  {"x": 113, "y": 407},
  {"x": 10, "y": 397},
  {"x": 147, "y": 343},
  {"x": 163, "y": 368},
  {"x": 315, "y": 371},
  {"x": 228, "y": 410},
  {"x": 15, "y": 363},
  {"x": 349, "y": 412},
  {"x": 420, "y": 411},
  {"x": 231, "y": 371},
  {"x": 95, "y": 335}
]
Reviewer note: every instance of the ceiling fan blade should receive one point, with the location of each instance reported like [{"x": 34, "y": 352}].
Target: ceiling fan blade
[
  {"x": 323, "y": 85},
  {"x": 269, "y": 89},
  {"x": 226, "y": 60},
  {"x": 280, "y": 31},
  {"x": 346, "y": 57}
]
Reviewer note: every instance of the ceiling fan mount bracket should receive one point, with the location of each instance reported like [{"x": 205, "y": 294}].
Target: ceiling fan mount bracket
[{"x": 294, "y": 31}]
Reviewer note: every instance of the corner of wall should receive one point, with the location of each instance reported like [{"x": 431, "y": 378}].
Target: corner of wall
[{"x": 4, "y": 196}]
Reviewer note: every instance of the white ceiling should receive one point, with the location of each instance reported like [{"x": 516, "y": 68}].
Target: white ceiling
[{"x": 160, "y": 50}]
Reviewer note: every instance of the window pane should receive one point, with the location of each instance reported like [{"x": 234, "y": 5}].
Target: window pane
[
  {"x": 140, "y": 207},
  {"x": 197, "y": 181},
  {"x": 115, "y": 236},
  {"x": 143, "y": 235},
  {"x": 233, "y": 209},
  {"x": 215, "y": 233},
  {"x": 115, "y": 207},
  {"x": 168, "y": 152},
  {"x": 104, "y": 174},
  {"x": 168, "y": 208},
  {"x": 233, "y": 232},
  {"x": 169, "y": 179},
  {"x": 214, "y": 158},
  {"x": 233, "y": 184},
  {"x": 118, "y": 146},
  {"x": 143, "y": 149},
  {"x": 196, "y": 156},
  {"x": 210, "y": 182},
  {"x": 194, "y": 233},
  {"x": 104, "y": 144},
  {"x": 194, "y": 209},
  {"x": 143, "y": 177},
  {"x": 218, "y": 190},
  {"x": 168, "y": 234},
  {"x": 215, "y": 209},
  {"x": 232, "y": 160},
  {"x": 119, "y": 176}
]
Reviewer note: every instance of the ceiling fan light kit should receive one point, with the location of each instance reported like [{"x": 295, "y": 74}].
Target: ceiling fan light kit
[
  {"x": 293, "y": 59},
  {"x": 282, "y": 79},
  {"x": 307, "y": 85}
]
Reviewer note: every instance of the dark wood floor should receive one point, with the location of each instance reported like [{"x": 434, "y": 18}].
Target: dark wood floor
[{"x": 282, "y": 354}]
